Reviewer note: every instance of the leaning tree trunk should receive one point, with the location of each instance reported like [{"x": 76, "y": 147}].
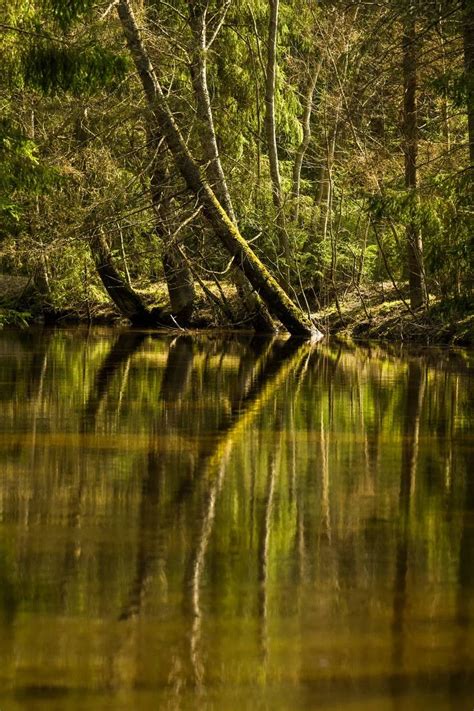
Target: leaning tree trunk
[
  {"x": 410, "y": 129},
  {"x": 128, "y": 302},
  {"x": 468, "y": 36},
  {"x": 254, "y": 307},
  {"x": 126, "y": 299},
  {"x": 264, "y": 283}
]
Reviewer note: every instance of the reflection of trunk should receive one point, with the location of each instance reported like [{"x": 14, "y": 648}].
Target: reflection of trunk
[
  {"x": 280, "y": 364},
  {"x": 174, "y": 384},
  {"x": 196, "y": 566},
  {"x": 273, "y": 295},
  {"x": 468, "y": 36},
  {"x": 466, "y": 552},
  {"x": 411, "y": 430},
  {"x": 217, "y": 462},
  {"x": 128, "y": 302},
  {"x": 208, "y": 139},
  {"x": 121, "y": 352},
  {"x": 465, "y": 591},
  {"x": 264, "y": 544},
  {"x": 178, "y": 369},
  {"x": 270, "y": 126},
  {"x": 325, "y": 498},
  {"x": 148, "y": 517},
  {"x": 410, "y": 130},
  {"x": 179, "y": 279},
  {"x": 39, "y": 365}
]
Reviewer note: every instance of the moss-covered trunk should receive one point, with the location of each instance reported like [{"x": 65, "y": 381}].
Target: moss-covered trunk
[
  {"x": 275, "y": 298},
  {"x": 127, "y": 301}
]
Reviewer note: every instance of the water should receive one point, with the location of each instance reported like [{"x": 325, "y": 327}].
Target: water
[{"x": 227, "y": 522}]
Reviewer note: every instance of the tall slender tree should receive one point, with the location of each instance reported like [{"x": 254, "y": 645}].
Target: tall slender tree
[
  {"x": 468, "y": 41},
  {"x": 416, "y": 275},
  {"x": 265, "y": 284}
]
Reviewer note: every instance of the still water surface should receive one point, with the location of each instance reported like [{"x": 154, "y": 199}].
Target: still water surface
[{"x": 228, "y": 522}]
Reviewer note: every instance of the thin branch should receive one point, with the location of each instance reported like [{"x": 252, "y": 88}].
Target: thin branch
[
  {"x": 220, "y": 22},
  {"x": 30, "y": 33},
  {"x": 109, "y": 9}
]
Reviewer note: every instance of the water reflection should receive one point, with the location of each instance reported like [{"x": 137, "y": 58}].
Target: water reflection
[{"x": 223, "y": 520}]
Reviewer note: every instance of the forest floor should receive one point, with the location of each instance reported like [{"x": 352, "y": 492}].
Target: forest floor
[
  {"x": 385, "y": 314},
  {"x": 381, "y": 313}
]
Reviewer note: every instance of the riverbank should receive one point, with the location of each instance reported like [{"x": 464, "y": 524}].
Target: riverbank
[
  {"x": 386, "y": 316},
  {"x": 382, "y": 314}
]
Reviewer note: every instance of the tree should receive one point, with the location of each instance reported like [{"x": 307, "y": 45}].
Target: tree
[
  {"x": 270, "y": 129},
  {"x": 468, "y": 40},
  {"x": 264, "y": 283},
  {"x": 410, "y": 131},
  {"x": 203, "y": 39}
]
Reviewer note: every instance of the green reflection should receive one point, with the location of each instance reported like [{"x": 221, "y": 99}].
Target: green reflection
[{"x": 234, "y": 521}]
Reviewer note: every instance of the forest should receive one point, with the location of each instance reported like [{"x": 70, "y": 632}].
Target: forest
[{"x": 255, "y": 164}]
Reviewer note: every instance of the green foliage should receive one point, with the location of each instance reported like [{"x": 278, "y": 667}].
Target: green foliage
[
  {"x": 85, "y": 158},
  {"x": 21, "y": 172},
  {"x": 452, "y": 85},
  {"x": 450, "y": 241},
  {"x": 67, "y": 12},
  {"x": 52, "y": 68},
  {"x": 12, "y": 317}
]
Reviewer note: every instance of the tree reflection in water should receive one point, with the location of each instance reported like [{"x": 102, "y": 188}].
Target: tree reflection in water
[{"x": 201, "y": 520}]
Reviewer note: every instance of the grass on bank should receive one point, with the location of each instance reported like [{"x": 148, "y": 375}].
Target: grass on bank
[
  {"x": 381, "y": 313},
  {"x": 385, "y": 314}
]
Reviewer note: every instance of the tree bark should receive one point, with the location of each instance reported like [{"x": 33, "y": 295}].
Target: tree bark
[
  {"x": 205, "y": 119},
  {"x": 254, "y": 307},
  {"x": 468, "y": 37},
  {"x": 303, "y": 147},
  {"x": 126, "y": 300},
  {"x": 270, "y": 127},
  {"x": 263, "y": 282},
  {"x": 179, "y": 279},
  {"x": 410, "y": 130}
]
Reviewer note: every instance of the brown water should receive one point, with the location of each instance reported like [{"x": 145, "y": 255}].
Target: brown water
[{"x": 223, "y": 522}]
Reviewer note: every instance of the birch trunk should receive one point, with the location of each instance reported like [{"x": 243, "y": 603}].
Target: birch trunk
[
  {"x": 263, "y": 282},
  {"x": 214, "y": 170},
  {"x": 270, "y": 127},
  {"x": 205, "y": 119},
  {"x": 303, "y": 147}
]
